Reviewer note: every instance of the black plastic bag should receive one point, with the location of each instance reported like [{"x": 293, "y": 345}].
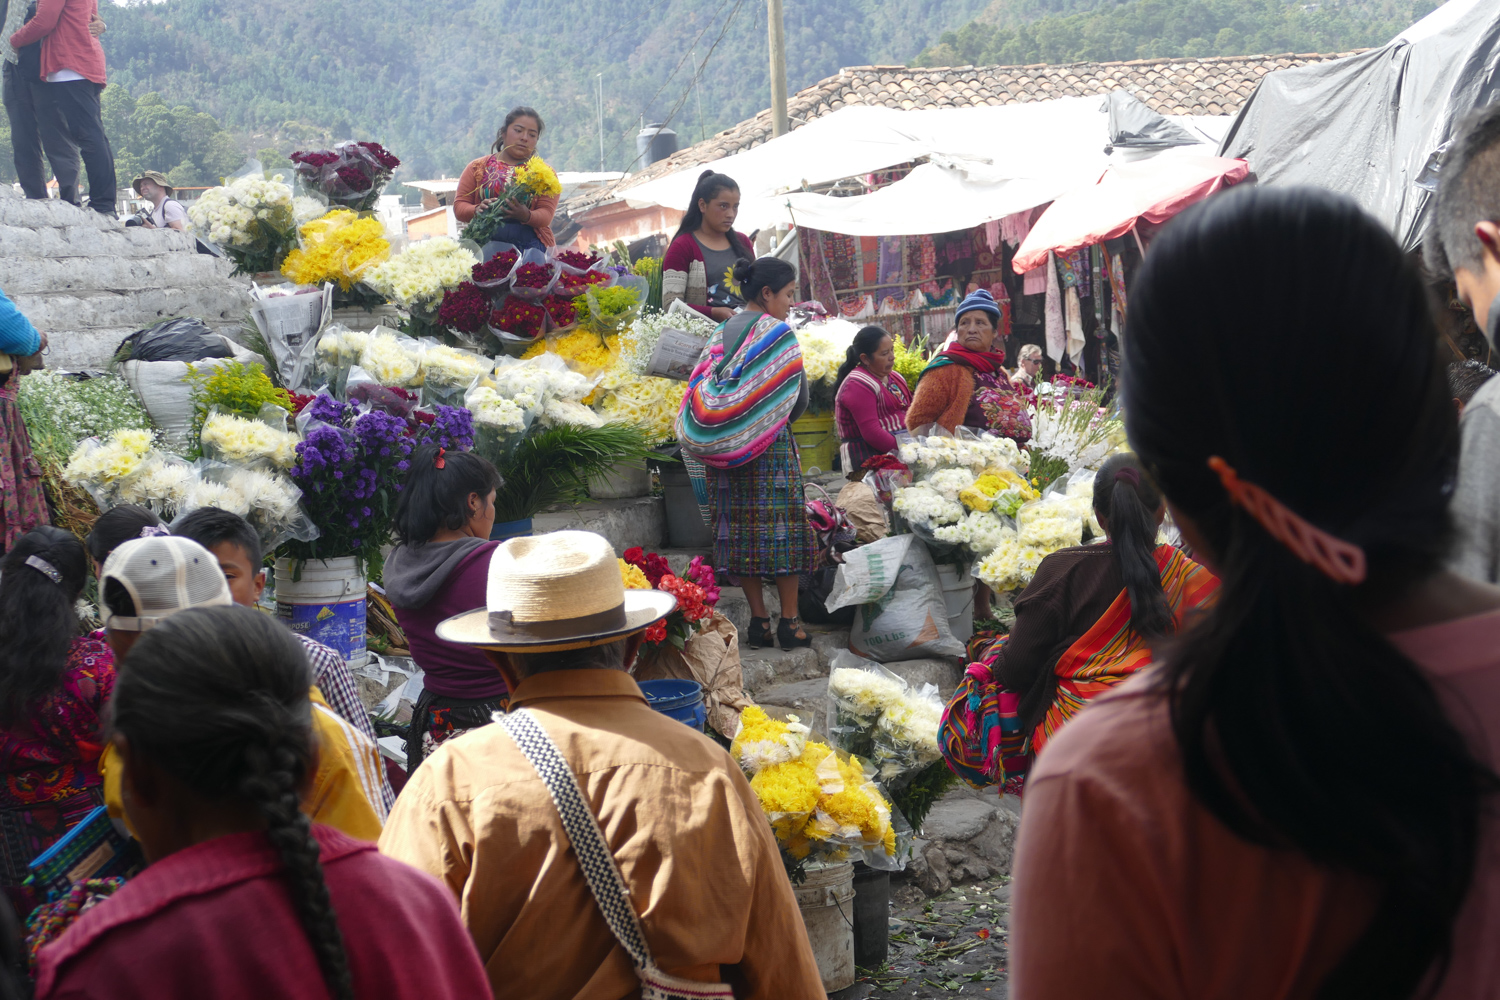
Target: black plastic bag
[
  {"x": 812, "y": 598},
  {"x": 184, "y": 339}
]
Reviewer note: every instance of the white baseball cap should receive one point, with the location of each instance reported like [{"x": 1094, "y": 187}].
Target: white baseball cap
[{"x": 163, "y": 575}]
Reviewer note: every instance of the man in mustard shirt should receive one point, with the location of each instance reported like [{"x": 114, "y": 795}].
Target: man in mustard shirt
[
  {"x": 149, "y": 579},
  {"x": 689, "y": 837}
]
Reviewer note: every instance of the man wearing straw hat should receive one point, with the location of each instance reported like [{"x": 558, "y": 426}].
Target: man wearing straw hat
[
  {"x": 166, "y": 212},
  {"x": 490, "y": 813}
]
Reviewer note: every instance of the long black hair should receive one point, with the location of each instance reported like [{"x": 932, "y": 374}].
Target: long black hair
[
  {"x": 520, "y": 112},
  {"x": 866, "y": 341},
  {"x": 117, "y": 525},
  {"x": 708, "y": 187},
  {"x": 1126, "y": 498},
  {"x": 434, "y": 498},
  {"x": 217, "y": 698},
  {"x": 36, "y": 616},
  {"x": 1295, "y": 717},
  {"x": 755, "y": 276}
]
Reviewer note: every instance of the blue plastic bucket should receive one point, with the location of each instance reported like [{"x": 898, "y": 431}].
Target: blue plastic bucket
[
  {"x": 510, "y": 529},
  {"x": 682, "y": 700}
]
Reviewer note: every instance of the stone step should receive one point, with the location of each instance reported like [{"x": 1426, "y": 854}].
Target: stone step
[
  {"x": 215, "y": 304},
  {"x": 625, "y": 523},
  {"x": 26, "y": 275},
  {"x": 49, "y": 213},
  {"x": 83, "y": 238}
]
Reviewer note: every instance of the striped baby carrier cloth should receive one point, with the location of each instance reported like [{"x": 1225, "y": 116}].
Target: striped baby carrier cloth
[{"x": 735, "y": 406}]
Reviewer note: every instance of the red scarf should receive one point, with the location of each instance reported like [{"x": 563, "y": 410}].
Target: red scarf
[{"x": 988, "y": 362}]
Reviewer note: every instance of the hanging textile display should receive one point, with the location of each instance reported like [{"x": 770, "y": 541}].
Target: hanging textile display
[{"x": 1057, "y": 338}]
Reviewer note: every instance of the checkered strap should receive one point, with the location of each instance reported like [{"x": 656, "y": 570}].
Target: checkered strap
[{"x": 594, "y": 855}]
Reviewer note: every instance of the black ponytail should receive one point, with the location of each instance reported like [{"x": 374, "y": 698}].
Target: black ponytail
[
  {"x": 1129, "y": 502},
  {"x": 755, "y": 276},
  {"x": 866, "y": 341},
  {"x": 37, "y": 619},
  {"x": 218, "y": 698},
  {"x": 434, "y": 498},
  {"x": 708, "y": 187},
  {"x": 117, "y": 525},
  {"x": 1296, "y": 719}
]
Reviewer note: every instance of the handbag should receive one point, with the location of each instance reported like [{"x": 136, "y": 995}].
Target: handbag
[
  {"x": 735, "y": 407},
  {"x": 598, "y": 863}
]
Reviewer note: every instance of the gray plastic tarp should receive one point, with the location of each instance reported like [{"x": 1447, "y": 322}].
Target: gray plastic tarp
[{"x": 1374, "y": 125}]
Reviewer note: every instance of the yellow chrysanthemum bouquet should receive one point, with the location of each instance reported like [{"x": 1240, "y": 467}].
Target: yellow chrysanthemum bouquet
[
  {"x": 340, "y": 247},
  {"x": 822, "y": 804}
]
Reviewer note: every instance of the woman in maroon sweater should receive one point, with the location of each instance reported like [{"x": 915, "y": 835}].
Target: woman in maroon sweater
[
  {"x": 699, "y": 265},
  {"x": 439, "y": 569},
  {"x": 244, "y": 896}
]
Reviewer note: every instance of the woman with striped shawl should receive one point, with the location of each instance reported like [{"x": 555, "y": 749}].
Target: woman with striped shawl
[
  {"x": 735, "y": 429},
  {"x": 1085, "y": 624}
]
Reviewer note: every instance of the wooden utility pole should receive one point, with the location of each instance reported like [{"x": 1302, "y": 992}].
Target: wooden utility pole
[{"x": 778, "y": 68}]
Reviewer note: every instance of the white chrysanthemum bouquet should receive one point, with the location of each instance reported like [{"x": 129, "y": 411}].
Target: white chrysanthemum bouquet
[{"x": 253, "y": 219}]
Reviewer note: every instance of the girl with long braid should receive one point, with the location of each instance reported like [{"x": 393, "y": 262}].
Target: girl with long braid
[{"x": 212, "y": 719}]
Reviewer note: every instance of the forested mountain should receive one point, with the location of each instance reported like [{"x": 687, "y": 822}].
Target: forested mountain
[
  {"x": 1018, "y": 32},
  {"x": 433, "y": 80}
]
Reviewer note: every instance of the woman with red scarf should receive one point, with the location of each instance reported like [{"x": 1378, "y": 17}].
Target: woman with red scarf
[{"x": 965, "y": 383}]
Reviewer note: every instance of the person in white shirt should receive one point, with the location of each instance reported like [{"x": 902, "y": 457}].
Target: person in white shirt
[{"x": 168, "y": 213}]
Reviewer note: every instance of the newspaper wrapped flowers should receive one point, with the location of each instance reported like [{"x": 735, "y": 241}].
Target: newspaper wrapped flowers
[{"x": 821, "y": 805}]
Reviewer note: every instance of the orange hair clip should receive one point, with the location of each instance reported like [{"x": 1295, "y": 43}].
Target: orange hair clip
[
  {"x": 441, "y": 461},
  {"x": 1340, "y": 561}
]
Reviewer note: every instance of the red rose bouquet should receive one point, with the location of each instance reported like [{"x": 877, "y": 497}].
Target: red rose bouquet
[{"x": 350, "y": 175}]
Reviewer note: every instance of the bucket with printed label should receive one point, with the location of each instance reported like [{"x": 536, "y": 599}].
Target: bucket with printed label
[{"x": 326, "y": 603}]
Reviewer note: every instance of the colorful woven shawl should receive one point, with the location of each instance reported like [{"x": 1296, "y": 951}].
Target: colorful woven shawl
[
  {"x": 1111, "y": 651},
  {"x": 735, "y": 407}
]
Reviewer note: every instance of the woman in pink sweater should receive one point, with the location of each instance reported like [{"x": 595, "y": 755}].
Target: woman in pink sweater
[
  {"x": 485, "y": 179},
  {"x": 870, "y": 399}
]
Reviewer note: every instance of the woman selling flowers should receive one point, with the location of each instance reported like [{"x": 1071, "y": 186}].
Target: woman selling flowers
[
  {"x": 699, "y": 264},
  {"x": 1088, "y": 618},
  {"x": 526, "y": 226},
  {"x": 744, "y": 393},
  {"x": 870, "y": 399},
  {"x": 965, "y": 385}
]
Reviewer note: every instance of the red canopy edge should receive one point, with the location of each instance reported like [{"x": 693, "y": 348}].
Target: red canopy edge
[{"x": 1154, "y": 190}]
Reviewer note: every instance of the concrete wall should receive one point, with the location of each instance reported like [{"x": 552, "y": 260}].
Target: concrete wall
[{"x": 88, "y": 281}]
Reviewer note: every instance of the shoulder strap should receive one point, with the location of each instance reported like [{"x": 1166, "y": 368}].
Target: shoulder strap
[{"x": 594, "y": 855}]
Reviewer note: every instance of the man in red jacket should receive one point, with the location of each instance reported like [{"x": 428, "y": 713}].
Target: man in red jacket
[{"x": 73, "y": 68}]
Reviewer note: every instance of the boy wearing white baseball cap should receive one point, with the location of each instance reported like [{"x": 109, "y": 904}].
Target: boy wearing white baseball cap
[{"x": 146, "y": 581}]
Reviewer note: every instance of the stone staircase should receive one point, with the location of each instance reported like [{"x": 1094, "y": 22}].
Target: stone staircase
[{"x": 88, "y": 281}]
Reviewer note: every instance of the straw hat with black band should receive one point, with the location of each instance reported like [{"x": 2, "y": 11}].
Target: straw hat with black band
[
  {"x": 555, "y": 592},
  {"x": 152, "y": 175}
]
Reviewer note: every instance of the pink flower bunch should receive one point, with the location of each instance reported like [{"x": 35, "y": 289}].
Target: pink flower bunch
[{"x": 700, "y": 572}]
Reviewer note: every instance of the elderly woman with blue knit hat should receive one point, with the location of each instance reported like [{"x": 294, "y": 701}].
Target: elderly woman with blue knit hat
[{"x": 965, "y": 385}]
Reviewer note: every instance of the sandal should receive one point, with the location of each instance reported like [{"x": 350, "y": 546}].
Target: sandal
[
  {"x": 759, "y": 633},
  {"x": 790, "y": 634}
]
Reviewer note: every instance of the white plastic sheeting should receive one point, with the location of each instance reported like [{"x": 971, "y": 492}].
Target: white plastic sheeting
[{"x": 985, "y": 163}]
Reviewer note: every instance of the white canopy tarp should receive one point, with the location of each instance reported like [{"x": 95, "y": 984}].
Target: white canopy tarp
[{"x": 985, "y": 163}]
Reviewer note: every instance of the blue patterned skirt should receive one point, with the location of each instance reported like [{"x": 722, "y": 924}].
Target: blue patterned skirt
[{"x": 760, "y": 514}]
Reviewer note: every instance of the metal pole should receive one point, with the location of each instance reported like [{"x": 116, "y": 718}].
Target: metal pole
[
  {"x": 601, "y": 121},
  {"x": 702, "y": 131},
  {"x": 778, "y": 68}
]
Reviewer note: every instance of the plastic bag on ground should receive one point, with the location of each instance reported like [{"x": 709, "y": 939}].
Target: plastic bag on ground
[
  {"x": 184, "y": 339},
  {"x": 902, "y": 615}
]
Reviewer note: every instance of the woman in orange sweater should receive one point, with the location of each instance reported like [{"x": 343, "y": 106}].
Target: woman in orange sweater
[
  {"x": 964, "y": 384},
  {"x": 485, "y": 179}
]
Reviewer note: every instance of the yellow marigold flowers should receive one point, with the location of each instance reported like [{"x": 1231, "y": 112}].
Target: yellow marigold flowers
[
  {"x": 338, "y": 247},
  {"x": 632, "y": 576}
]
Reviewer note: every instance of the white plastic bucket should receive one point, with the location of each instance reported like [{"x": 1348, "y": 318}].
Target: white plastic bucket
[
  {"x": 327, "y": 604},
  {"x": 826, "y": 900},
  {"x": 624, "y": 479},
  {"x": 958, "y": 595}
]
